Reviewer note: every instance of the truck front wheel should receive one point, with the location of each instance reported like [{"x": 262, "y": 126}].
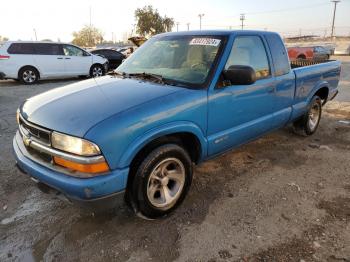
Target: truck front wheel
[
  {"x": 162, "y": 181},
  {"x": 308, "y": 123}
]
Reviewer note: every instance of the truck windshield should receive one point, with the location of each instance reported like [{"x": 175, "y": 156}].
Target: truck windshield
[{"x": 187, "y": 60}]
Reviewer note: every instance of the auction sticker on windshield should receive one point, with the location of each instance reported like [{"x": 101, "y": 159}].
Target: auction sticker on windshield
[{"x": 205, "y": 41}]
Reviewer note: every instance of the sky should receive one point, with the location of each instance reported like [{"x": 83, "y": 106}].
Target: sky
[{"x": 58, "y": 19}]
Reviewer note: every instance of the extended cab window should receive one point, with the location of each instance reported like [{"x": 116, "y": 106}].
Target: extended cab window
[
  {"x": 250, "y": 51},
  {"x": 279, "y": 54},
  {"x": 70, "y": 50}
]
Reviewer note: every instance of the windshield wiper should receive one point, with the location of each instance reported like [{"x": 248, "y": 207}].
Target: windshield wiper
[
  {"x": 117, "y": 73},
  {"x": 145, "y": 75},
  {"x": 158, "y": 78}
]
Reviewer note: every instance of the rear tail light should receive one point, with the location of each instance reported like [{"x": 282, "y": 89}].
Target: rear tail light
[{"x": 4, "y": 57}]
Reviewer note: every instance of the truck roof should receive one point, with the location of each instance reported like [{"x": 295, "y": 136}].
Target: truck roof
[{"x": 218, "y": 32}]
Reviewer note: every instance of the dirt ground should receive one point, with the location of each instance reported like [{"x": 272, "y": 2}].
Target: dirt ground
[{"x": 280, "y": 198}]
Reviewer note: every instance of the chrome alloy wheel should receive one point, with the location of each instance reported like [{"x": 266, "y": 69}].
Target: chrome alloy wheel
[
  {"x": 166, "y": 183},
  {"x": 314, "y": 116},
  {"x": 97, "y": 71},
  {"x": 29, "y": 76}
]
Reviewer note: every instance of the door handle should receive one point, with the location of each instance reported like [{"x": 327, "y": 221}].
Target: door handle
[
  {"x": 59, "y": 58},
  {"x": 67, "y": 58}
]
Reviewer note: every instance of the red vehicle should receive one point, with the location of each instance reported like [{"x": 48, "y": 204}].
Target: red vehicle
[{"x": 298, "y": 53}]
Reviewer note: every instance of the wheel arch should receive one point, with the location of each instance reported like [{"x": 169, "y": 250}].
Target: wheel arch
[
  {"x": 184, "y": 132},
  {"x": 94, "y": 64},
  {"x": 321, "y": 90},
  {"x": 189, "y": 139},
  {"x": 301, "y": 56},
  {"x": 22, "y": 67}
]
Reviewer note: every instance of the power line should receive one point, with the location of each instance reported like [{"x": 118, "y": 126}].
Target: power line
[{"x": 288, "y": 9}]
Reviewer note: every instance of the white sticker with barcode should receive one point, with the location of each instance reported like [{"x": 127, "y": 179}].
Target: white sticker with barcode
[{"x": 205, "y": 41}]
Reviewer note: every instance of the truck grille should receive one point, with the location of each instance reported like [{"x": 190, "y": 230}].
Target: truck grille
[{"x": 38, "y": 134}]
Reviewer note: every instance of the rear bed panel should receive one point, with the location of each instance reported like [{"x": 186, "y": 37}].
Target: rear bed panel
[{"x": 309, "y": 79}]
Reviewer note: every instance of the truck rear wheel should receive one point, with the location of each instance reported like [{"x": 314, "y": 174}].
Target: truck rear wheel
[
  {"x": 162, "y": 181},
  {"x": 309, "y": 122}
]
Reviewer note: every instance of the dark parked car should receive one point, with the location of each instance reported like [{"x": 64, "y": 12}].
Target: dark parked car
[
  {"x": 114, "y": 57},
  {"x": 321, "y": 53}
]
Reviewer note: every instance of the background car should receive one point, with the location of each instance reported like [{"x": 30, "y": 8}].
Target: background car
[
  {"x": 300, "y": 53},
  {"x": 321, "y": 53},
  {"x": 114, "y": 57},
  {"x": 31, "y": 61}
]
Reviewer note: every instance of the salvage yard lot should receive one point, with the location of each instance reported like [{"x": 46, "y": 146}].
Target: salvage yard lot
[{"x": 280, "y": 198}]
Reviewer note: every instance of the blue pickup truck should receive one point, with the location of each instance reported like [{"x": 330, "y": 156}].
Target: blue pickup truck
[{"x": 180, "y": 99}]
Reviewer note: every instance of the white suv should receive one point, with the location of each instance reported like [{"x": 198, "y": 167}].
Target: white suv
[{"x": 31, "y": 61}]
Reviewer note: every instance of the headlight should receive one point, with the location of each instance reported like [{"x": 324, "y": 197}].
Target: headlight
[
  {"x": 17, "y": 116},
  {"x": 74, "y": 145}
]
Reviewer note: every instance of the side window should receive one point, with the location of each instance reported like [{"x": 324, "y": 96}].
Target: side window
[
  {"x": 48, "y": 49},
  {"x": 21, "y": 49},
  {"x": 250, "y": 51},
  {"x": 279, "y": 54},
  {"x": 70, "y": 50}
]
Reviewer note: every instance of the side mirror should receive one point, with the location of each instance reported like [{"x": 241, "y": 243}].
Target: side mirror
[{"x": 240, "y": 75}]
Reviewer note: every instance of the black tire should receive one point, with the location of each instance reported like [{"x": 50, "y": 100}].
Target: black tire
[
  {"x": 308, "y": 123},
  {"x": 28, "y": 75},
  {"x": 97, "y": 70},
  {"x": 151, "y": 203}
]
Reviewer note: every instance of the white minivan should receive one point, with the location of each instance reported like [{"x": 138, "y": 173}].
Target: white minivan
[{"x": 31, "y": 61}]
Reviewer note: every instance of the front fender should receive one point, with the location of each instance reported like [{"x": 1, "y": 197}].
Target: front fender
[{"x": 163, "y": 130}]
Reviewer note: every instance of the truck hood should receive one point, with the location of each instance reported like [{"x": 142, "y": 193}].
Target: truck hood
[{"x": 75, "y": 108}]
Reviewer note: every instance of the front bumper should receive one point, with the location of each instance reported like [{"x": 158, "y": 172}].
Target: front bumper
[
  {"x": 75, "y": 189},
  {"x": 106, "y": 66}
]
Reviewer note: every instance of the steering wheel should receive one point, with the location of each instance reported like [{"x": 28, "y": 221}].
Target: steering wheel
[{"x": 196, "y": 65}]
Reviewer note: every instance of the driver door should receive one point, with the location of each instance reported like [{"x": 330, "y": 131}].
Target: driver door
[{"x": 239, "y": 113}]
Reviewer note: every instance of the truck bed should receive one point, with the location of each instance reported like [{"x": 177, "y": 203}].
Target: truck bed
[
  {"x": 310, "y": 76},
  {"x": 307, "y": 62}
]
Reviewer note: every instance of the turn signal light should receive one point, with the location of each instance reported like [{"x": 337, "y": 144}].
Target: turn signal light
[{"x": 84, "y": 168}]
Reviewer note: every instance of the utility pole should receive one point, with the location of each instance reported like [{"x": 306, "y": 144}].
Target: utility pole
[
  {"x": 90, "y": 38},
  {"x": 177, "y": 26},
  {"x": 188, "y": 26},
  {"x": 200, "y": 21},
  {"x": 242, "y": 18},
  {"x": 36, "y": 38},
  {"x": 335, "y": 9}
]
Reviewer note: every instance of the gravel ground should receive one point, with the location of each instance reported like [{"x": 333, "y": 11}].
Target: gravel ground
[{"x": 280, "y": 198}]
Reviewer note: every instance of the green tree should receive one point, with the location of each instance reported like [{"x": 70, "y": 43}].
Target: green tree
[
  {"x": 150, "y": 22},
  {"x": 88, "y": 36}
]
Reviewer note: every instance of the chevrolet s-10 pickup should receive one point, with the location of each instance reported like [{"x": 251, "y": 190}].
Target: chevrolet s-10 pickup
[{"x": 180, "y": 99}]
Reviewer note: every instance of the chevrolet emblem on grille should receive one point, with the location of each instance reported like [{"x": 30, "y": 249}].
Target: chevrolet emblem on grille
[{"x": 26, "y": 140}]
